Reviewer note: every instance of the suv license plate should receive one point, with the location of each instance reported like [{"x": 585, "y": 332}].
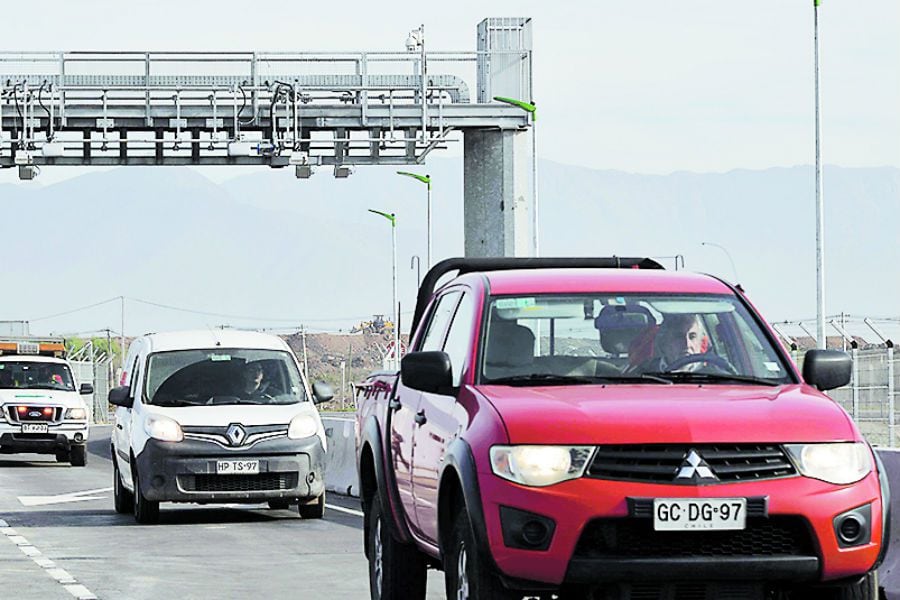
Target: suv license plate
[
  {"x": 237, "y": 467},
  {"x": 699, "y": 514},
  {"x": 35, "y": 428}
]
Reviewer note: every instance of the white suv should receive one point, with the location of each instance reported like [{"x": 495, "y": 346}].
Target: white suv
[
  {"x": 216, "y": 416},
  {"x": 41, "y": 409}
]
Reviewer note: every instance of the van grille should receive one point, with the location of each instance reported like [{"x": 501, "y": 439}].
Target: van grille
[{"x": 264, "y": 482}]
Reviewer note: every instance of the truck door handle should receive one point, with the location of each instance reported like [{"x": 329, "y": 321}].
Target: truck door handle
[
  {"x": 394, "y": 405},
  {"x": 421, "y": 419}
]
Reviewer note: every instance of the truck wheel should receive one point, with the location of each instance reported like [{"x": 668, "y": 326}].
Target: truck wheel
[
  {"x": 864, "y": 588},
  {"x": 396, "y": 571},
  {"x": 122, "y": 498},
  {"x": 146, "y": 512},
  {"x": 314, "y": 510},
  {"x": 62, "y": 456},
  {"x": 279, "y": 504},
  {"x": 466, "y": 573},
  {"x": 78, "y": 456}
]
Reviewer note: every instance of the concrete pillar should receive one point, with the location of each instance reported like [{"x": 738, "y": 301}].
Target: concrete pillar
[{"x": 497, "y": 193}]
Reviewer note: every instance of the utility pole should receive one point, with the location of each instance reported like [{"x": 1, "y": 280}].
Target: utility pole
[
  {"x": 122, "y": 336},
  {"x": 305, "y": 361},
  {"x": 820, "y": 201}
]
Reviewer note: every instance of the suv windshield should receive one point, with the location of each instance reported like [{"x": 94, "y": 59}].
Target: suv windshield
[
  {"x": 35, "y": 375},
  {"x": 222, "y": 376},
  {"x": 626, "y": 338}
]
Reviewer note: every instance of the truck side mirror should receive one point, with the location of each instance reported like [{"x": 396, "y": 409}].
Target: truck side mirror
[
  {"x": 827, "y": 369},
  {"x": 86, "y": 389},
  {"x": 427, "y": 371},
  {"x": 322, "y": 392},
  {"x": 121, "y": 396}
]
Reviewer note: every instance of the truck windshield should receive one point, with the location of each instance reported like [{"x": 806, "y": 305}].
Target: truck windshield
[
  {"x": 626, "y": 338},
  {"x": 222, "y": 376},
  {"x": 35, "y": 375}
]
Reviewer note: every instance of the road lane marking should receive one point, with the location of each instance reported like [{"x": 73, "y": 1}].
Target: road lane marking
[
  {"x": 18, "y": 540},
  {"x": 64, "y": 498},
  {"x": 61, "y": 575},
  {"x": 80, "y": 592},
  {"x": 30, "y": 551},
  {"x": 44, "y": 563},
  {"x": 349, "y": 511}
]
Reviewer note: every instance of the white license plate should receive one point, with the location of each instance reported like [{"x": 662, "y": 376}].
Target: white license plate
[
  {"x": 699, "y": 514},
  {"x": 35, "y": 428},
  {"x": 237, "y": 467}
]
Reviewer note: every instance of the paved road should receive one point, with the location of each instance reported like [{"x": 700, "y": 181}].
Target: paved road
[{"x": 77, "y": 546}]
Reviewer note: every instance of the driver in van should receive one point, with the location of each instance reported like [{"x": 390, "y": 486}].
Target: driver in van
[{"x": 253, "y": 380}]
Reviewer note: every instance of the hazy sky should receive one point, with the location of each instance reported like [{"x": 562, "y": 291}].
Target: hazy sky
[{"x": 652, "y": 87}]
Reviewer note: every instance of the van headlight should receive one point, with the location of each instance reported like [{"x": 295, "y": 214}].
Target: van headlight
[
  {"x": 76, "y": 414},
  {"x": 840, "y": 463},
  {"x": 163, "y": 429},
  {"x": 303, "y": 426},
  {"x": 539, "y": 466}
]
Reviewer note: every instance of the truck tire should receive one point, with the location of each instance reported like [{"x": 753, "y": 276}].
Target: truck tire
[
  {"x": 146, "y": 512},
  {"x": 467, "y": 574},
  {"x": 863, "y": 588},
  {"x": 122, "y": 498},
  {"x": 78, "y": 456},
  {"x": 62, "y": 456},
  {"x": 313, "y": 510},
  {"x": 396, "y": 571}
]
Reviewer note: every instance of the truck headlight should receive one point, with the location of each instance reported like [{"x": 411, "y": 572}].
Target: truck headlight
[
  {"x": 303, "y": 426},
  {"x": 76, "y": 414},
  {"x": 839, "y": 463},
  {"x": 539, "y": 466},
  {"x": 163, "y": 429}
]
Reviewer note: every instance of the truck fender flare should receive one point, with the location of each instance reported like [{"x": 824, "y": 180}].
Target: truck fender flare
[
  {"x": 885, "y": 509},
  {"x": 386, "y": 488},
  {"x": 459, "y": 458}
]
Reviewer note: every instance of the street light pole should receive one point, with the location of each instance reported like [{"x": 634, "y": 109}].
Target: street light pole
[
  {"x": 395, "y": 307},
  {"x": 727, "y": 253},
  {"x": 530, "y": 108},
  {"x": 426, "y": 179},
  {"x": 820, "y": 201}
]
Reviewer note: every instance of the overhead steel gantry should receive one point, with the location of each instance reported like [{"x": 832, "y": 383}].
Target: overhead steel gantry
[{"x": 286, "y": 109}]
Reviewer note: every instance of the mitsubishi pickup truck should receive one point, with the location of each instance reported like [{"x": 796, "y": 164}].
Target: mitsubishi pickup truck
[{"x": 606, "y": 429}]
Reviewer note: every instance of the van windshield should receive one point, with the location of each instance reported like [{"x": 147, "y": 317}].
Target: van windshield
[
  {"x": 222, "y": 376},
  {"x": 18, "y": 375},
  {"x": 627, "y": 338}
]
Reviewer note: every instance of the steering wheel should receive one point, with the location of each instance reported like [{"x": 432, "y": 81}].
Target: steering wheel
[{"x": 708, "y": 357}]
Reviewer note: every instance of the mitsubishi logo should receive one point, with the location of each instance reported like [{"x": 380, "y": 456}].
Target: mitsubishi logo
[
  {"x": 695, "y": 467},
  {"x": 235, "y": 434}
]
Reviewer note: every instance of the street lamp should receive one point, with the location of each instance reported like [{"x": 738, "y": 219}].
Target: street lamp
[
  {"x": 727, "y": 253},
  {"x": 531, "y": 109},
  {"x": 426, "y": 179},
  {"x": 396, "y": 309},
  {"x": 820, "y": 201}
]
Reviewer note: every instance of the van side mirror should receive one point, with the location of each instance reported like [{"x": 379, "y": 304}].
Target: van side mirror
[
  {"x": 86, "y": 389},
  {"x": 322, "y": 392},
  {"x": 427, "y": 371},
  {"x": 827, "y": 369},
  {"x": 121, "y": 396}
]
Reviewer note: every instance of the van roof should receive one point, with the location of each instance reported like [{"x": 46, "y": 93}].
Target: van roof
[{"x": 213, "y": 338}]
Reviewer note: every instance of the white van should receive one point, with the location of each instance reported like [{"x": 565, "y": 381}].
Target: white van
[{"x": 216, "y": 416}]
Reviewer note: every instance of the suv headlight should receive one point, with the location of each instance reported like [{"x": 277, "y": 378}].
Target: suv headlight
[
  {"x": 76, "y": 414},
  {"x": 839, "y": 463},
  {"x": 303, "y": 426},
  {"x": 539, "y": 466},
  {"x": 163, "y": 429}
]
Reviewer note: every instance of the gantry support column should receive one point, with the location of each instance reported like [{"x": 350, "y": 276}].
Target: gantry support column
[{"x": 498, "y": 199}]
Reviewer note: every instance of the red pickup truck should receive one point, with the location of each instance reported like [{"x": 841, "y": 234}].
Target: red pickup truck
[{"x": 605, "y": 429}]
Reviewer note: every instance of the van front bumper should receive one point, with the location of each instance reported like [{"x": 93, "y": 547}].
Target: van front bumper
[{"x": 186, "y": 471}]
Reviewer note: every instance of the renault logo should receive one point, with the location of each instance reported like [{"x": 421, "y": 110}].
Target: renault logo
[
  {"x": 235, "y": 434},
  {"x": 695, "y": 467}
]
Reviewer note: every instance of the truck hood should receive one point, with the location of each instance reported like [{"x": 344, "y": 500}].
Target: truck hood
[
  {"x": 644, "y": 414},
  {"x": 49, "y": 397}
]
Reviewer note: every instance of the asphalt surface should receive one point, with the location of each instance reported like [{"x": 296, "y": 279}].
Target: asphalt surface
[{"x": 61, "y": 538}]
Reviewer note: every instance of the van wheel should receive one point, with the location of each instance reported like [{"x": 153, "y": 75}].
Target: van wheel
[
  {"x": 146, "y": 512},
  {"x": 78, "y": 456},
  {"x": 313, "y": 510},
  {"x": 279, "y": 504},
  {"x": 62, "y": 456},
  {"x": 122, "y": 498},
  {"x": 396, "y": 571},
  {"x": 467, "y": 575}
]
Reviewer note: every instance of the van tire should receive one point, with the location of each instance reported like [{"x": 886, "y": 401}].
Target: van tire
[
  {"x": 313, "y": 510},
  {"x": 397, "y": 571},
  {"x": 146, "y": 512},
  {"x": 122, "y": 498},
  {"x": 78, "y": 456}
]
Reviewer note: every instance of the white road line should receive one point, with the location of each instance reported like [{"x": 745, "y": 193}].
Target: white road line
[
  {"x": 61, "y": 575},
  {"x": 18, "y": 540},
  {"x": 349, "y": 511},
  {"x": 30, "y": 551},
  {"x": 3, "y": 524},
  {"x": 8, "y": 531},
  {"x": 44, "y": 563},
  {"x": 64, "y": 498},
  {"x": 80, "y": 592}
]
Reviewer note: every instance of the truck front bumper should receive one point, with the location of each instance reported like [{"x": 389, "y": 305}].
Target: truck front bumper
[{"x": 59, "y": 437}]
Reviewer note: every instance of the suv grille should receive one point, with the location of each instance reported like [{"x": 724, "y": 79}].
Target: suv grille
[
  {"x": 662, "y": 463},
  {"x": 34, "y": 414},
  {"x": 264, "y": 482},
  {"x": 713, "y": 590},
  {"x": 636, "y": 538}
]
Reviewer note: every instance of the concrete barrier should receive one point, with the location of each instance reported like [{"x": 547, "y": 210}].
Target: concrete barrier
[
  {"x": 889, "y": 573},
  {"x": 340, "y": 457}
]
